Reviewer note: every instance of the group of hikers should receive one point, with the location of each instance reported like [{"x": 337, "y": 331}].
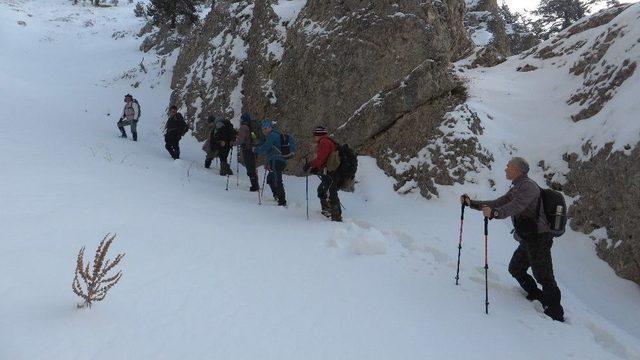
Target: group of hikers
[
  {"x": 334, "y": 165},
  {"x": 528, "y": 205}
]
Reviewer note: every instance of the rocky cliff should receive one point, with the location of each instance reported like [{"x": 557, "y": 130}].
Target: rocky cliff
[
  {"x": 304, "y": 63},
  {"x": 601, "y": 54}
]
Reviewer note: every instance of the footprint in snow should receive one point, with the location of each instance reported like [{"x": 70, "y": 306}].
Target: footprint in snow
[{"x": 609, "y": 343}]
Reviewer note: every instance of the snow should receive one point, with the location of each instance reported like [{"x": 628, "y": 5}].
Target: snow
[
  {"x": 481, "y": 37},
  {"x": 287, "y": 12},
  {"x": 518, "y": 117},
  {"x": 209, "y": 273}
]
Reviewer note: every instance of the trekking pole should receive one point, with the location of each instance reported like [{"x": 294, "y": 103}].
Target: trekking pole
[
  {"x": 306, "y": 180},
  {"x": 460, "y": 243},
  {"x": 229, "y": 169},
  {"x": 486, "y": 266},
  {"x": 238, "y": 167},
  {"x": 264, "y": 179}
]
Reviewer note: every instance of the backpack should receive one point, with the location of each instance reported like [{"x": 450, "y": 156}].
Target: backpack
[
  {"x": 135, "y": 101},
  {"x": 287, "y": 146},
  {"x": 555, "y": 210},
  {"x": 347, "y": 166}
]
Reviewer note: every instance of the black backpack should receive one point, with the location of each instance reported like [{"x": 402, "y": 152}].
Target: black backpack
[
  {"x": 348, "y": 166},
  {"x": 287, "y": 146},
  {"x": 555, "y": 210}
]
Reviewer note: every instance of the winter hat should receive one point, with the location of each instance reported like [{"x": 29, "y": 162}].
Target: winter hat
[
  {"x": 267, "y": 124},
  {"x": 320, "y": 131},
  {"x": 245, "y": 118}
]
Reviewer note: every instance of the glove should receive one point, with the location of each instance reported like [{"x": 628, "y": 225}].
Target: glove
[
  {"x": 306, "y": 167},
  {"x": 465, "y": 200},
  {"x": 315, "y": 171}
]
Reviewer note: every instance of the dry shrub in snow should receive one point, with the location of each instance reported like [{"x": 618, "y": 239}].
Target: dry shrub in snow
[{"x": 93, "y": 284}]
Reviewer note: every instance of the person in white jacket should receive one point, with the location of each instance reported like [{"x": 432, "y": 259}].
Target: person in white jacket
[{"x": 130, "y": 116}]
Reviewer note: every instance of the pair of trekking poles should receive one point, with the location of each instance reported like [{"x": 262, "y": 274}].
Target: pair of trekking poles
[
  {"x": 237, "y": 169},
  {"x": 486, "y": 257},
  {"x": 264, "y": 179}
]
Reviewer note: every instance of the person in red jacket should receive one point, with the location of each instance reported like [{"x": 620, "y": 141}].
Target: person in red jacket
[{"x": 328, "y": 188}]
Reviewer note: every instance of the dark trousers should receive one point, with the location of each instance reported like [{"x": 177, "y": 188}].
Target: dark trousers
[
  {"x": 249, "y": 158},
  {"x": 274, "y": 179},
  {"x": 223, "y": 154},
  {"x": 535, "y": 253},
  {"x": 134, "y": 127},
  {"x": 171, "y": 143},
  {"x": 328, "y": 190}
]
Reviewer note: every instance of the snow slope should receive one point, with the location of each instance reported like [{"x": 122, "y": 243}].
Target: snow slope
[{"x": 209, "y": 273}]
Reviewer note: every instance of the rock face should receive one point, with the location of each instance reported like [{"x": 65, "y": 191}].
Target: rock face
[
  {"x": 305, "y": 63},
  {"x": 609, "y": 189},
  {"x": 602, "y": 51},
  {"x": 493, "y": 36},
  {"x": 487, "y": 30}
]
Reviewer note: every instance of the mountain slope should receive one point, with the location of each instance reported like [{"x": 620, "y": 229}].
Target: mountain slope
[{"x": 209, "y": 273}]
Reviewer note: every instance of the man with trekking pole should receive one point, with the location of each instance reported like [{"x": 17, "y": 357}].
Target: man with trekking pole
[
  {"x": 330, "y": 179},
  {"x": 523, "y": 203}
]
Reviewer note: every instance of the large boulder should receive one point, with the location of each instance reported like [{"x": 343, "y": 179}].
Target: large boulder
[
  {"x": 312, "y": 62},
  {"x": 608, "y": 186}
]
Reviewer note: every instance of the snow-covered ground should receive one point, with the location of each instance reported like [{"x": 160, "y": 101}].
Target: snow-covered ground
[{"x": 210, "y": 274}]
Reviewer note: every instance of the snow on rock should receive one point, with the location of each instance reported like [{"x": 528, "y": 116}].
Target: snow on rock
[
  {"x": 486, "y": 30},
  {"x": 573, "y": 117},
  {"x": 287, "y": 11},
  {"x": 210, "y": 70},
  {"x": 210, "y": 274}
]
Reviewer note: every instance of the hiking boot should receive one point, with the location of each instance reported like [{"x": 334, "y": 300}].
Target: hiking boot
[
  {"x": 124, "y": 135},
  {"x": 555, "y": 312},
  {"x": 336, "y": 212},
  {"x": 254, "y": 184},
  {"x": 326, "y": 208},
  {"x": 282, "y": 203},
  {"x": 225, "y": 169},
  {"x": 207, "y": 163},
  {"x": 135, "y": 136}
]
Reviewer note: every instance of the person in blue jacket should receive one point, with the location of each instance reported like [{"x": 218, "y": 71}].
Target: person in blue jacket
[{"x": 277, "y": 148}]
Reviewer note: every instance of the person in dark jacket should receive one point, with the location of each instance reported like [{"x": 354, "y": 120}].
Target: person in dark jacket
[
  {"x": 245, "y": 141},
  {"x": 276, "y": 163},
  {"x": 211, "y": 151},
  {"x": 175, "y": 128},
  {"x": 523, "y": 204},
  {"x": 330, "y": 180},
  {"x": 220, "y": 141}
]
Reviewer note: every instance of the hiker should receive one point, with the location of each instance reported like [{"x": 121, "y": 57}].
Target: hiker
[
  {"x": 212, "y": 151},
  {"x": 130, "y": 117},
  {"x": 272, "y": 148},
  {"x": 245, "y": 141},
  {"x": 523, "y": 204},
  {"x": 220, "y": 142},
  {"x": 330, "y": 180},
  {"x": 175, "y": 128}
]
